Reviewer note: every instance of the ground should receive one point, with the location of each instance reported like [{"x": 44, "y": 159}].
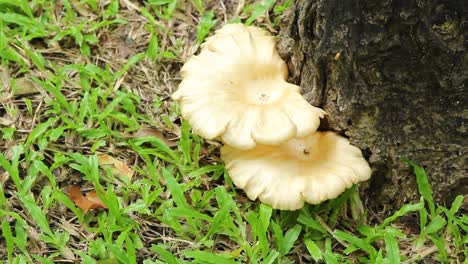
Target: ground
[{"x": 85, "y": 109}]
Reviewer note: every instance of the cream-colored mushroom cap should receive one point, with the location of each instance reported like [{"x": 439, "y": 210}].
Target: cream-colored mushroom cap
[
  {"x": 235, "y": 29},
  {"x": 236, "y": 89},
  {"x": 311, "y": 169}
]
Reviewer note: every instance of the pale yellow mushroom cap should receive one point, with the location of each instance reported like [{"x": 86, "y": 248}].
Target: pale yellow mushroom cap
[
  {"x": 235, "y": 29},
  {"x": 312, "y": 169},
  {"x": 236, "y": 89}
]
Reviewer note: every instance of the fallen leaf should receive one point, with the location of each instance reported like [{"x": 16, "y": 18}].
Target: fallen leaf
[
  {"x": 23, "y": 85},
  {"x": 90, "y": 201},
  {"x": 93, "y": 197},
  {"x": 146, "y": 131},
  {"x": 4, "y": 77},
  {"x": 116, "y": 166}
]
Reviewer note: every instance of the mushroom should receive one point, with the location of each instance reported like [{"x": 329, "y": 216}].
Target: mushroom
[
  {"x": 234, "y": 29},
  {"x": 315, "y": 168},
  {"x": 236, "y": 89}
]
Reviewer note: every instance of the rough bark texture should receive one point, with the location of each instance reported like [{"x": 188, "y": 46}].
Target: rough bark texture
[{"x": 393, "y": 76}]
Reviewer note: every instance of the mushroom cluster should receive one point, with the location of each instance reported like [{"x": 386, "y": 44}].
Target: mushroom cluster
[{"x": 236, "y": 89}]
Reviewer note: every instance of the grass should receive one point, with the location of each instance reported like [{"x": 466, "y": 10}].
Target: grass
[{"x": 81, "y": 78}]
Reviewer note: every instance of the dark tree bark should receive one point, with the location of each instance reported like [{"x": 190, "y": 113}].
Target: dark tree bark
[{"x": 393, "y": 76}]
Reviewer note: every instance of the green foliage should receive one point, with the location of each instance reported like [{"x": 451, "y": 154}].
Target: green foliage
[
  {"x": 258, "y": 9},
  {"x": 207, "y": 22}
]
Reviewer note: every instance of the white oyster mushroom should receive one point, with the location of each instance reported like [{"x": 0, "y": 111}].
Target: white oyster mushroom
[
  {"x": 236, "y": 89},
  {"x": 312, "y": 169}
]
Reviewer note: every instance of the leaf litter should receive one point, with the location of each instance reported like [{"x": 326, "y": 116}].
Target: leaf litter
[{"x": 86, "y": 202}]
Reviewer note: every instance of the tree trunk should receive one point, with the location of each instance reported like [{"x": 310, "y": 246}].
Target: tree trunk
[{"x": 393, "y": 77}]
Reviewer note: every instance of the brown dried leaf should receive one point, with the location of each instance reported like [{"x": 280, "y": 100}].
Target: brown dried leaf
[
  {"x": 90, "y": 201},
  {"x": 93, "y": 197},
  {"x": 146, "y": 131},
  {"x": 117, "y": 167}
]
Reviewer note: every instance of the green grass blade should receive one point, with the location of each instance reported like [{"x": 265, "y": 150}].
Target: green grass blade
[
  {"x": 65, "y": 200},
  {"x": 160, "y": 146},
  {"x": 391, "y": 246},
  {"x": 457, "y": 204},
  {"x": 206, "y": 23},
  {"x": 313, "y": 250},
  {"x": 329, "y": 256},
  {"x": 55, "y": 91},
  {"x": 164, "y": 254},
  {"x": 131, "y": 252},
  {"x": 439, "y": 242},
  {"x": 9, "y": 239},
  {"x": 357, "y": 242},
  {"x": 312, "y": 223},
  {"x": 259, "y": 9},
  {"x": 153, "y": 47},
  {"x": 290, "y": 239},
  {"x": 176, "y": 190},
  {"x": 3, "y": 199},
  {"x": 271, "y": 257},
  {"x": 208, "y": 257},
  {"x": 221, "y": 215},
  {"x": 39, "y": 130},
  {"x": 265, "y": 212},
  {"x": 405, "y": 209},
  {"x": 188, "y": 213},
  {"x": 112, "y": 105},
  {"x": 206, "y": 169},
  {"x": 435, "y": 225},
  {"x": 258, "y": 230},
  {"x": 423, "y": 185},
  {"x": 185, "y": 142},
  {"x": 12, "y": 168},
  {"x": 36, "y": 213}
]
